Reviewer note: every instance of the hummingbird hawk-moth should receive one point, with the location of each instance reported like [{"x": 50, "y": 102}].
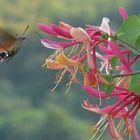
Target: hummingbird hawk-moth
[{"x": 10, "y": 44}]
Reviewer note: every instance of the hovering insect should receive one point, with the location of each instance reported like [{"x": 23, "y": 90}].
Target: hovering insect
[{"x": 10, "y": 44}]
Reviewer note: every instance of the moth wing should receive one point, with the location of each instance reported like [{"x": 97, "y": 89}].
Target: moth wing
[{"x": 6, "y": 40}]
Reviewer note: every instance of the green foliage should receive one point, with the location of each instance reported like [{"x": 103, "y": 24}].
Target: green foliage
[
  {"x": 130, "y": 30},
  {"x": 71, "y": 11},
  {"x": 114, "y": 62},
  {"x": 137, "y": 43},
  {"x": 135, "y": 84},
  {"x": 109, "y": 88},
  {"x": 33, "y": 123},
  {"x": 66, "y": 125}
]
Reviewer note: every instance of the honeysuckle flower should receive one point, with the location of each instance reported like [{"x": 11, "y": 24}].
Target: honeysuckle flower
[
  {"x": 61, "y": 61},
  {"x": 55, "y": 30},
  {"x": 90, "y": 46},
  {"x": 79, "y": 34},
  {"x": 61, "y": 31},
  {"x": 57, "y": 45},
  {"x": 121, "y": 110},
  {"x": 112, "y": 50},
  {"x": 66, "y": 31},
  {"x": 103, "y": 31},
  {"x": 105, "y": 121},
  {"x": 118, "y": 53}
]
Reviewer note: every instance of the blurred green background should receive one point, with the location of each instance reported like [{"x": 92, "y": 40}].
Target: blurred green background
[{"x": 28, "y": 110}]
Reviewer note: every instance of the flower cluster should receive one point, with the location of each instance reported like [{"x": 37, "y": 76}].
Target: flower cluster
[{"x": 78, "y": 52}]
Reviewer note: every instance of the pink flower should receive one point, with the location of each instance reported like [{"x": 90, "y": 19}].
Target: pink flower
[
  {"x": 125, "y": 110},
  {"x": 55, "y": 30},
  {"x": 61, "y": 31},
  {"x": 57, "y": 45},
  {"x": 62, "y": 62},
  {"x": 123, "y": 13},
  {"x": 65, "y": 31},
  {"x": 80, "y": 52}
]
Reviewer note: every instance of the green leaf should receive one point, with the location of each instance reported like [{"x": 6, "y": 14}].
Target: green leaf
[
  {"x": 131, "y": 29},
  {"x": 135, "y": 84},
  {"x": 130, "y": 32},
  {"x": 109, "y": 89},
  {"x": 109, "y": 78},
  {"x": 137, "y": 43},
  {"x": 114, "y": 62},
  {"x": 135, "y": 89},
  {"x": 87, "y": 69}
]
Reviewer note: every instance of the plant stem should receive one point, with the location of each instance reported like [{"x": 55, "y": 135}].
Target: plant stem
[
  {"x": 130, "y": 47},
  {"x": 123, "y": 41},
  {"x": 122, "y": 75}
]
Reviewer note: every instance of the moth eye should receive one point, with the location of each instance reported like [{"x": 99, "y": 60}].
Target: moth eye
[{"x": 4, "y": 55}]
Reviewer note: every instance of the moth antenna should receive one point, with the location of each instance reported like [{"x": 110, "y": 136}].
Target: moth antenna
[{"x": 25, "y": 30}]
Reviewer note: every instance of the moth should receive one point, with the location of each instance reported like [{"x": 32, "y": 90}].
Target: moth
[{"x": 10, "y": 44}]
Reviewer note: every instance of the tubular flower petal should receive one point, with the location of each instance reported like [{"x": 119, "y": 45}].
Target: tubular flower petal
[
  {"x": 80, "y": 35},
  {"x": 46, "y": 28},
  {"x": 113, "y": 130},
  {"x": 57, "y": 45},
  {"x": 55, "y": 30},
  {"x": 52, "y": 64},
  {"x": 62, "y": 59},
  {"x": 105, "y": 26},
  {"x": 123, "y": 13},
  {"x": 65, "y": 26},
  {"x": 61, "y": 32}
]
